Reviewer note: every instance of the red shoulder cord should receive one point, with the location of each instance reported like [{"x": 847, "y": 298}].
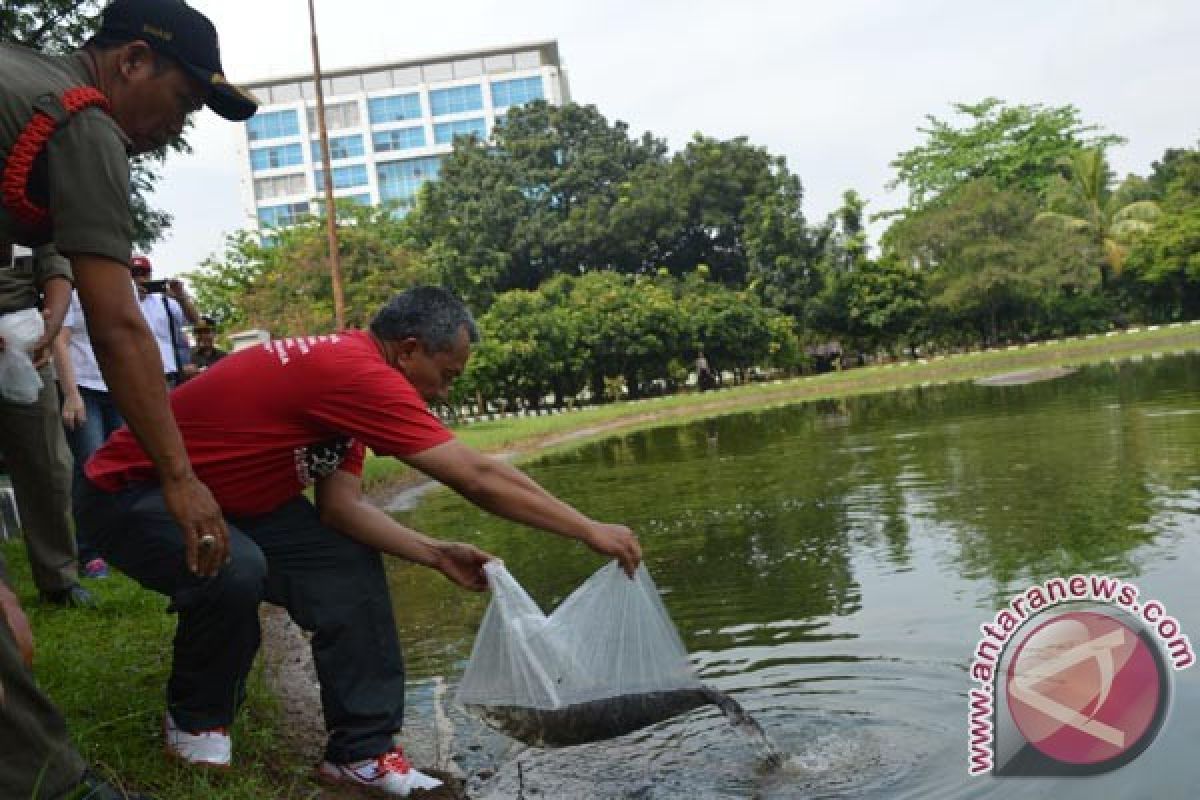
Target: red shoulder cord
[{"x": 14, "y": 186}]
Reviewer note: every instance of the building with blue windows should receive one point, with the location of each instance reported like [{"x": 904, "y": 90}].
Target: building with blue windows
[{"x": 389, "y": 126}]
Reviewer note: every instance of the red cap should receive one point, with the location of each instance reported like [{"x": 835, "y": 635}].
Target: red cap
[{"x": 140, "y": 264}]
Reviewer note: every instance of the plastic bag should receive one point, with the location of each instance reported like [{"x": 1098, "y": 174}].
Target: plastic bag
[
  {"x": 608, "y": 661},
  {"x": 20, "y": 330}
]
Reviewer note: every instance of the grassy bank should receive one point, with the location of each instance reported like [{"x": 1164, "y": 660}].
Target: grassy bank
[
  {"x": 106, "y": 669},
  {"x": 574, "y": 427}
]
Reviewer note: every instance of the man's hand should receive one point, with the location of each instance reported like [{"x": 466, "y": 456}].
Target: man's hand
[
  {"x": 74, "y": 413},
  {"x": 57, "y": 296},
  {"x": 616, "y": 541},
  {"x": 463, "y": 564},
  {"x": 14, "y": 615},
  {"x": 178, "y": 292},
  {"x": 205, "y": 536},
  {"x": 40, "y": 352}
]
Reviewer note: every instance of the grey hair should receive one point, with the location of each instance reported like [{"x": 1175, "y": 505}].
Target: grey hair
[{"x": 430, "y": 314}]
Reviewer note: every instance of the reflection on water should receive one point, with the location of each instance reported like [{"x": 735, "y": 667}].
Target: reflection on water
[{"x": 829, "y": 564}]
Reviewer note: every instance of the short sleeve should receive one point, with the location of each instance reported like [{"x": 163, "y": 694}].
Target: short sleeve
[
  {"x": 49, "y": 263},
  {"x": 380, "y": 408},
  {"x": 89, "y": 188},
  {"x": 75, "y": 318},
  {"x": 355, "y": 456}
]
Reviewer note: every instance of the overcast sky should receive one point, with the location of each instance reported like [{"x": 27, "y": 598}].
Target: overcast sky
[{"x": 837, "y": 87}]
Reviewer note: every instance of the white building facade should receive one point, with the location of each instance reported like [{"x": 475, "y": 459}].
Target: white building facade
[{"x": 389, "y": 126}]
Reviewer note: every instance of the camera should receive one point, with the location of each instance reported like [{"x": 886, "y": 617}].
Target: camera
[{"x": 155, "y": 287}]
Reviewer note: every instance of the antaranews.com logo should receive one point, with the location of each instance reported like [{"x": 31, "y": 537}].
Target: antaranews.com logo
[{"x": 1074, "y": 678}]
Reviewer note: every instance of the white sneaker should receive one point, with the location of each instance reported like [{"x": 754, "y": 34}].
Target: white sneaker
[
  {"x": 212, "y": 748},
  {"x": 389, "y": 774}
]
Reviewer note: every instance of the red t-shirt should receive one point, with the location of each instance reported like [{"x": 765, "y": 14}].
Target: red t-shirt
[{"x": 264, "y": 423}]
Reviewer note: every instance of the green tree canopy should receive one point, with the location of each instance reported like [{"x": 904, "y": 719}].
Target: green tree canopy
[
  {"x": 533, "y": 204},
  {"x": 989, "y": 268},
  {"x": 560, "y": 191},
  {"x": 874, "y": 305},
  {"x": 284, "y": 285},
  {"x": 573, "y": 333},
  {"x": 1084, "y": 202},
  {"x": 1164, "y": 264},
  {"x": 1021, "y": 147}
]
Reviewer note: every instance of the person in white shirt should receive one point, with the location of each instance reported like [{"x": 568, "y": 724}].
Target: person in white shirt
[
  {"x": 167, "y": 308},
  {"x": 89, "y": 412}
]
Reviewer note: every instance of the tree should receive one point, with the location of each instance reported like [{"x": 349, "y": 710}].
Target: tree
[
  {"x": 285, "y": 286},
  {"x": 1020, "y": 147},
  {"x": 1164, "y": 264},
  {"x": 533, "y": 204},
  {"x": 740, "y": 212},
  {"x": 990, "y": 270},
  {"x": 603, "y": 328},
  {"x": 561, "y": 191},
  {"x": 60, "y": 26},
  {"x": 220, "y": 284},
  {"x": 1177, "y": 164},
  {"x": 1086, "y": 204},
  {"x": 51, "y": 25},
  {"x": 874, "y": 305}
]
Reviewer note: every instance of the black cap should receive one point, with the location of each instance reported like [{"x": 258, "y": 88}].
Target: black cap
[{"x": 177, "y": 30}]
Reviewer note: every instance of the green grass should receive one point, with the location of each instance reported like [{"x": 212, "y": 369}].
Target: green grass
[
  {"x": 106, "y": 670},
  {"x": 519, "y": 433}
]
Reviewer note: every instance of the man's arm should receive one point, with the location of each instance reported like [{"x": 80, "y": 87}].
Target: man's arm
[
  {"x": 132, "y": 368},
  {"x": 504, "y": 490},
  {"x": 178, "y": 292},
  {"x": 56, "y": 296},
  {"x": 342, "y": 507}
]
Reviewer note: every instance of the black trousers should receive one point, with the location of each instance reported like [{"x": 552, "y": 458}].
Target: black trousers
[{"x": 331, "y": 585}]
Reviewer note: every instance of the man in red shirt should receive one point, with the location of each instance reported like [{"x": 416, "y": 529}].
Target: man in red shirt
[{"x": 261, "y": 426}]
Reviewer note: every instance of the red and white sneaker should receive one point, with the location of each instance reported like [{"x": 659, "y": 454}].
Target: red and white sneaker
[
  {"x": 389, "y": 775},
  {"x": 211, "y": 748}
]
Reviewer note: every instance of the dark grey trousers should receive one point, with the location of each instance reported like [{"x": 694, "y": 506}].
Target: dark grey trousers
[
  {"x": 39, "y": 464},
  {"x": 37, "y": 759},
  {"x": 331, "y": 585}
]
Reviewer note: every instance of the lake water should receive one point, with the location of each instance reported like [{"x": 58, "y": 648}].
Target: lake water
[{"x": 829, "y": 565}]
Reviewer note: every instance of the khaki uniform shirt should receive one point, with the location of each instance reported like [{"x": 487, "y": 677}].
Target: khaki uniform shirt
[{"x": 82, "y": 176}]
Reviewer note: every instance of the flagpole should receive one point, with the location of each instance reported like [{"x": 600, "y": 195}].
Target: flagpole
[{"x": 335, "y": 260}]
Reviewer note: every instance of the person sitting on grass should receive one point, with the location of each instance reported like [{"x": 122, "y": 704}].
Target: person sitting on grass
[{"x": 267, "y": 423}]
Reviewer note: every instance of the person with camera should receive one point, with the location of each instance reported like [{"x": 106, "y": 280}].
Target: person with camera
[{"x": 167, "y": 308}]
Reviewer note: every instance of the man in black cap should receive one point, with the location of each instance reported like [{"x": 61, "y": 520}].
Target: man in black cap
[{"x": 68, "y": 125}]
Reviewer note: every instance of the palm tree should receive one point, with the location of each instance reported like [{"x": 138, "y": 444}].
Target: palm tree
[{"x": 1093, "y": 209}]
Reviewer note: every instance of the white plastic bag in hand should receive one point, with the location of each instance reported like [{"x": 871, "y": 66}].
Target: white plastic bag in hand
[
  {"x": 606, "y": 662},
  {"x": 20, "y": 330}
]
